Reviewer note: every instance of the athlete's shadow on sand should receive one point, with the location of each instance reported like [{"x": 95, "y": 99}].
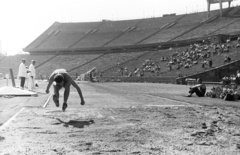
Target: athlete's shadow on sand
[{"x": 76, "y": 124}]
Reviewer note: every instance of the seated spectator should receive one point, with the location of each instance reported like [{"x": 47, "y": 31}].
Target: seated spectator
[
  {"x": 225, "y": 80},
  {"x": 238, "y": 45},
  {"x": 195, "y": 62},
  {"x": 227, "y": 59},
  {"x": 199, "y": 89},
  {"x": 186, "y": 65},
  {"x": 210, "y": 63}
]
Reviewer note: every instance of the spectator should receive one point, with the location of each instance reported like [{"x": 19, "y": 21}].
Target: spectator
[
  {"x": 238, "y": 77},
  {"x": 227, "y": 59},
  {"x": 210, "y": 63},
  {"x": 199, "y": 89}
]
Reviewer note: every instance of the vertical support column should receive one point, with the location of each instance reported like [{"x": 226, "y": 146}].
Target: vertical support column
[
  {"x": 208, "y": 8},
  {"x": 229, "y": 3},
  {"x": 220, "y": 3},
  {"x": 12, "y": 77}
]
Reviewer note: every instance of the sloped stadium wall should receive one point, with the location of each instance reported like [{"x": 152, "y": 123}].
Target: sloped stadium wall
[{"x": 214, "y": 75}]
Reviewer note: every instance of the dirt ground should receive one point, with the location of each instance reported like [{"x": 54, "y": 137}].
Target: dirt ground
[{"x": 121, "y": 118}]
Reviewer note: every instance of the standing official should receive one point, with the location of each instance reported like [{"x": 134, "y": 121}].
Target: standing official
[
  {"x": 31, "y": 83},
  {"x": 22, "y": 73}
]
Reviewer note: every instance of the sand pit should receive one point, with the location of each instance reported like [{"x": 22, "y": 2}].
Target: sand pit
[{"x": 123, "y": 119}]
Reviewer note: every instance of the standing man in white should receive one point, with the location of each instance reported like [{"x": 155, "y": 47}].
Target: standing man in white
[
  {"x": 22, "y": 73},
  {"x": 31, "y": 84}
]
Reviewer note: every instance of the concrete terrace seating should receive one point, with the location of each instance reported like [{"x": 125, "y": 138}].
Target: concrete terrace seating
[
  {"x": 155, "y": 56},
  {"x": 142, "y": 30},
  {"x": 62, "y": 39},
  {"x": 96, "y": 40},
  {"x": 65, "y": 61},
  {"x": 107, "y": 61},
  {"x": 37, "y": 42},
  {"x": 183, "y": 24},
  {"x": 81, "y": 27},
  {"x": 167, "y": 34},
  {"x": 152, "y": 23},
  {"x": 132, "y": 37},
  {"x": 64, "y": 35},
  {"x": 207, "y": 28},
  {"x": 116, "y": 26},
  {"x": 230, "y": 28}
]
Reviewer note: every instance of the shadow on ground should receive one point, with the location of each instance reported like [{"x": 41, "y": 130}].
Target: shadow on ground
[{"x": 74, "y": 123}]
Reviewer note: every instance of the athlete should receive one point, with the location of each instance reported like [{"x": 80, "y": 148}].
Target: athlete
[{"x": 60, "y": 78}]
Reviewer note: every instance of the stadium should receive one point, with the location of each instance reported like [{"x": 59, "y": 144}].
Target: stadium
[{"x": 135, "y": 75}]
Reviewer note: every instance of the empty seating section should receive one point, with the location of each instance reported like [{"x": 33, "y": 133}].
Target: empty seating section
[
  {"x": 142, "y": 30},
  {"x": 37, "y": 42},
  {"x": 207, "y": 28},
  {"x": 159, "y": 22},
  {"x": 80, "y": 27},
  {"x": 96, "y": 40},
  {"x": 191, "y": 19},
  {"x": 183, "y": 24},
  {"x": 65, "y": 34},
  {"x": 62, "y": 39},
  {"x": 107, "y": 61},
  {"x": 131, "y": 38},
  {"x": 116, "y": 26},
  {"x": 65, "y": 61},
  {"x": 231, "y": 28},
  {"x": 167, "y": 34}
]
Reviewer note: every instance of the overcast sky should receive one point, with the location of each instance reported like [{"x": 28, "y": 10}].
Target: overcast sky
[{"x": 22, "y": 21}]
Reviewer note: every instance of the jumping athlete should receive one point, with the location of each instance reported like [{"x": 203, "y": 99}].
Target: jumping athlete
[{"x": 60, "y": 78}]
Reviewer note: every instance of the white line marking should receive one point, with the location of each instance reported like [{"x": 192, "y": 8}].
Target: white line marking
[
  {"x": 112, "y": 111},
  {"x": 92, "y": 112},
  {"x": 173, "y": 100},
  {"x": 99, "y": 114},
  {"x": 12, "y": 118},
  {"x": 176, "y": 105},
  {"x": 46, "y": 103}
]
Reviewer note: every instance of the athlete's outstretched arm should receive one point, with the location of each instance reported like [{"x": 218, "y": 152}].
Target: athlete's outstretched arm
[
  {"x": 78, "y": 89},
  {"x": 49, "y": 83}
]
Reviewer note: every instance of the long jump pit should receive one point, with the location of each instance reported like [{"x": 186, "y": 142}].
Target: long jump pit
[
  {"x": 118, "y": 122},
  {"x": 133, "y": 130}
]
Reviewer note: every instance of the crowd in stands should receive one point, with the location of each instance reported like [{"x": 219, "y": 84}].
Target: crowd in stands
[
  {"x": 229, "y": 90},
  {"x": 195, "y": 54}
]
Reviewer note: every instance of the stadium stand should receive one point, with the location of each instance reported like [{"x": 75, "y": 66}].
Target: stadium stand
[
  {"x": 108, "y": 45},
  {"x": 105, "y": 62}
]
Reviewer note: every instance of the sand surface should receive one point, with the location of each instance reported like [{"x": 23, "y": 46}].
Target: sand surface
[{"x": 120, "y": 118}]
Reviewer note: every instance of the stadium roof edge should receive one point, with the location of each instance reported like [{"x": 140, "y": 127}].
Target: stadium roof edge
[{"x": 28, "y": 46}]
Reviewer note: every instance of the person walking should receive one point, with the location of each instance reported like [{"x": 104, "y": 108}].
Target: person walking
[{"x": 61, "y": 79}]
